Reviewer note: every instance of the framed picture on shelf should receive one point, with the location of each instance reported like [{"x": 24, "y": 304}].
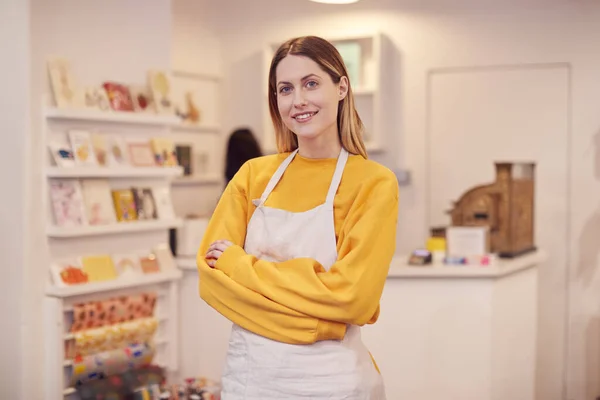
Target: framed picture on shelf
[{"x": 140, "y": 154}]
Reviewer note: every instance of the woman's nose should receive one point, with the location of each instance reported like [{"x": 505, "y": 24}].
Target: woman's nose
[{"x": 299, "y": 99}]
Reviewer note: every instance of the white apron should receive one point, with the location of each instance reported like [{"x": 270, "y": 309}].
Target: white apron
[{"x": 258, "y": 368}]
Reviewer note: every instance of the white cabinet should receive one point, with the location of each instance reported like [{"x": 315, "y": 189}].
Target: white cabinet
[{"x": 458, "y": 332}]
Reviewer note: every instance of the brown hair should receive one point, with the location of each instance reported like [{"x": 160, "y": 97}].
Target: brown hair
[{"x": 349, "y": 124}]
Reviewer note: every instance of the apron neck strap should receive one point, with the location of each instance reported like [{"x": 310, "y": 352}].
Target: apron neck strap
[
  {"x": 333, "y": 187},
  {"x": 337, "y": 176},
  {"x": 276, "y": 177}
]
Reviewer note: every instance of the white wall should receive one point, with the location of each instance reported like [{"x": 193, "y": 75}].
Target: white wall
[
  {"x": 14, "y": 138},
  {"x": 498, "y": 37},
  {"x": 197, "y": 49}
]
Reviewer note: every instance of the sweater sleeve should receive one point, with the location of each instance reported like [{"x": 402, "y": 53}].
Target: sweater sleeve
[
  {"x": 242, "y": 306},
  {"x": 351, "y": 290}
]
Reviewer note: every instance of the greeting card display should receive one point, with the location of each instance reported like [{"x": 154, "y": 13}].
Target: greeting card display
[{"x": 67, "y": 203}]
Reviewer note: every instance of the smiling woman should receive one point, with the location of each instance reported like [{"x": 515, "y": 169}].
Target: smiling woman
[
  {"x": 298, "y": 250},
  {"x": 308, "y": 77}
]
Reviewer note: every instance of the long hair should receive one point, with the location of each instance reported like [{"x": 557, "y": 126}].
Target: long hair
[
  {"x": 349, "y": 125},
  {"x": 241, "y": 147}
]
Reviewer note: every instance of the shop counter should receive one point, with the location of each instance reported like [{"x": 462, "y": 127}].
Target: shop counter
[{"x": 451, "y": 332}]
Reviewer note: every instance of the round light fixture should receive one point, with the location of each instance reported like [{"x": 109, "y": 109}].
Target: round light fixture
[{"x": 335, "y": 1}]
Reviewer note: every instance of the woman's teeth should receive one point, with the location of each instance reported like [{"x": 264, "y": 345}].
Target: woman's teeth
[{"x": 304, "y": 117}]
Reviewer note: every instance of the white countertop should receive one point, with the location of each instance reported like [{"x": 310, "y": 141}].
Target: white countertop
[
  {"x": 501, "y": 267},
  {"x": 401, "y": 270}
]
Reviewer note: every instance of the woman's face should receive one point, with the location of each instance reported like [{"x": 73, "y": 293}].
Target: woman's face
[{"x": 307, "y": 98}]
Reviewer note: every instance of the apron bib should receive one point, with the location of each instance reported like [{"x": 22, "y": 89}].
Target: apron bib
[{"x": 258, "y": 368}]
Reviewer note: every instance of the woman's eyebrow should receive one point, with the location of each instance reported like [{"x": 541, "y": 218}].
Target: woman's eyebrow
[{"x": 303, "y": 79}]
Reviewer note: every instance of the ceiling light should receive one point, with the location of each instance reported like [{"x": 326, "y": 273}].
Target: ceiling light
[{"x": 335, "y": 1}]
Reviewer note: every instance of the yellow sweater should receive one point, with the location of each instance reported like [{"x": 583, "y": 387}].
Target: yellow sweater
[{"x": 297, "y": 301}]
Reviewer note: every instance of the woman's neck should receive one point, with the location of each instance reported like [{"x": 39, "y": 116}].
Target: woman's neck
[{"x": 319, "y": 147}]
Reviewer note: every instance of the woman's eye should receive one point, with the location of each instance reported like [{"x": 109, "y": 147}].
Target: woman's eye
[
  {"x": 311, "y": 84},
  {"x": 284, "y": 89}
]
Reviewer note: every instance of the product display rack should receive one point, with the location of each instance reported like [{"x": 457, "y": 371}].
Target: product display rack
[{"x": 59, "y": 301}]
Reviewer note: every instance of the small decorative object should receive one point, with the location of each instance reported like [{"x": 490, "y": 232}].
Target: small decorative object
[
  {"x": 99, "y": 206},
  {"x": 142, "y": 98},
  {"x": 96, "y": 98},
  {"x": 118, "y": 96},
  {"x": 67, "y": 272},
  {"x": 505, "y": 206},
  {"x": 67, "y": 203},
  {"x": 127, "y": 265},
  {"x": 188, "y": 111},
  {"x": 99, "y": 268},
  {"x": 188, "y": 93},
  {"x": 144, "y": 203},
  {"x": 66, "y": 92},
  {"x": 83, "y": 150},
  {"x": 467, "y": 241},
  {"x": 117, "y": 154},
  {"x": 149, "y": 264},
  {"x": 100, "y": 150},
  {"x": 124, "y": 205},
  {"x": 61, "y": 151},
  {"x": 184, "y": 158},
  {"x": 162, "y": 198},
  {"x": 164, "y": 152},
  {"x": 160, "y": 87},
  {"x": 420, "y": 258}
]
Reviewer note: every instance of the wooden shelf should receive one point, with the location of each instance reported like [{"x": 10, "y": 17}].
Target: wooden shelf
[
  {"x": 211, "y": 179},
  {"x": 121, "y": 117},
  {"x": 99, "y": 287},
  {"x": 117, "y": 228},
  {"x": 108, "y": 172}
]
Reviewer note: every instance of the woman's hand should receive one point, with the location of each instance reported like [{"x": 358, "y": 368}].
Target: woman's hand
[{"x": 215, "y": 250}]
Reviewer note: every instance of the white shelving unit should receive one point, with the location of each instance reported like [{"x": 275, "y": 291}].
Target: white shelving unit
[
  {"x": 59, "y": 301},
  {"x": 58, "y": 311},
  {"x": 367, "y": 91}
]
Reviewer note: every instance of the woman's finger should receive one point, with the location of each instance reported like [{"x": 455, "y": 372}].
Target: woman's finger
[
  {"x": 215, "y": 254},
  {"x": 220, "y": 246}
]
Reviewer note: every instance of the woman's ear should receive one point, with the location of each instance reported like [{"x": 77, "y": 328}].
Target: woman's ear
[{"x": 343, "y": 88}]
